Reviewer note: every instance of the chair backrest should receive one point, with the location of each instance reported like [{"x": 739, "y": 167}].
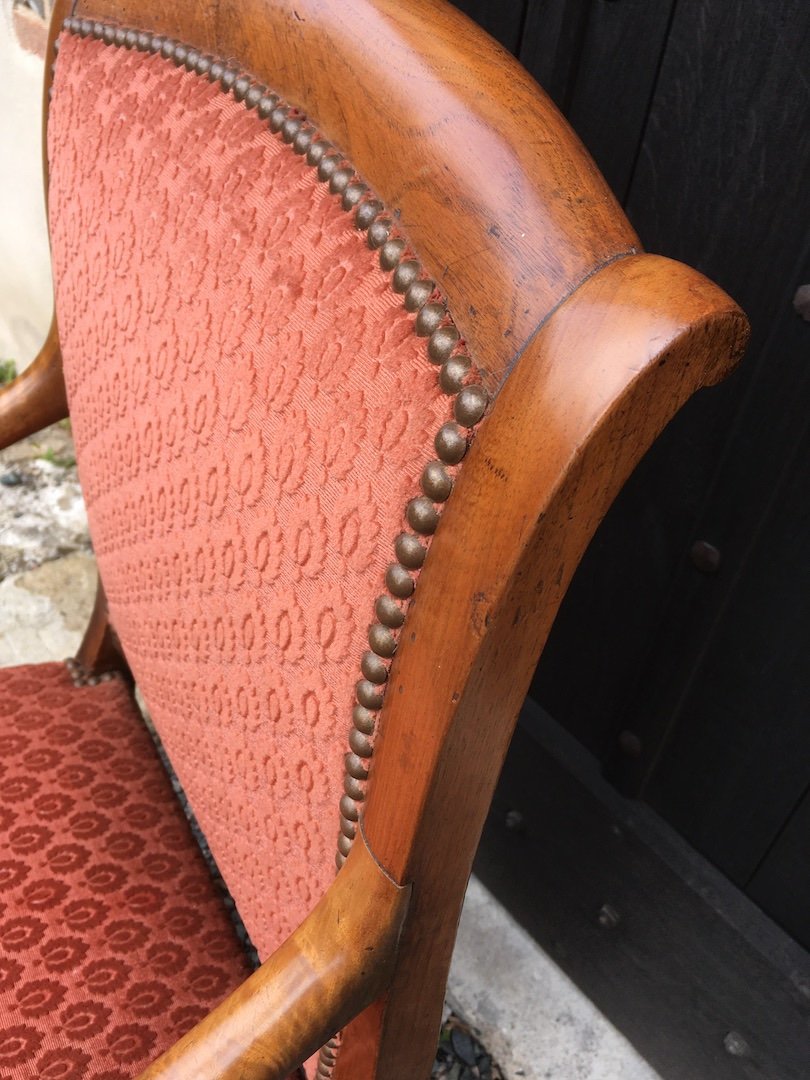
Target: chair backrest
[{"x": 290, "y": 287}]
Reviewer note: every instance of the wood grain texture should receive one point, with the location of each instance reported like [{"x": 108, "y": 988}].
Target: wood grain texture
[
  {"x": 337, "y": 962},
  {"x": 36, "y": 398},
  {"x": 499, "y": 198},
  {"x": 607, "y": 371}
]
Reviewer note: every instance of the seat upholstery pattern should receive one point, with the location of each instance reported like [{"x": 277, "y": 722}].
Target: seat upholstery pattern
[
  {"x": 252, "y": 411},
  {"x": 114, "y": 940}
]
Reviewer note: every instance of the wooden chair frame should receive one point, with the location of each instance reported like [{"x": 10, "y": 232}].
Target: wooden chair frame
[{"x": 601, "y": 345}]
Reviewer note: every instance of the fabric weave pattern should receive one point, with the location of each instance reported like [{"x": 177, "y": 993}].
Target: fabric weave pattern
[
  {"x": 114, "y": 940},
  {"x": 252, "y": 410}
]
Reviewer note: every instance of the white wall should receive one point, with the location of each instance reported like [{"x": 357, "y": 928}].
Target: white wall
[{"x": 25, "y": 276}]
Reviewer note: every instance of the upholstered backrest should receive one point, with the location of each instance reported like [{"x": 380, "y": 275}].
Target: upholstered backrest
[{"x": 254, "y": 410}]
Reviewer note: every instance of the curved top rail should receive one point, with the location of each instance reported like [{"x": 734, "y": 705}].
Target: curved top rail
[{"x": 501, "y": 201}]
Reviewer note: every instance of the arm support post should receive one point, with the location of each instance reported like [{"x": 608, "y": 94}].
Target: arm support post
[{"x": 339, "y": 960}]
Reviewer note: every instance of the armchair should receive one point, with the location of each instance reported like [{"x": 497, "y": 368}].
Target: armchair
[{"x": 358, "y": 348}]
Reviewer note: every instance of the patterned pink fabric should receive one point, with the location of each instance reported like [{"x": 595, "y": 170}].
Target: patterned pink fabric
[
  {"x": 252, "y": 411},
  {"x": 113, "y": 939}
]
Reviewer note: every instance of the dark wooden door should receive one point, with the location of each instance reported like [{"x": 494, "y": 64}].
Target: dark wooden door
[{"x": 680, "y": 657}]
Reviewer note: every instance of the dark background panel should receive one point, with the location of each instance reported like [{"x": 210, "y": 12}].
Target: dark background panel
[{"x": 688, "y": 680}]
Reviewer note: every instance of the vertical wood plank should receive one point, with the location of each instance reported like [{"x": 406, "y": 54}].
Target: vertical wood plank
[
  {"x": 504, "y": 21},
  {"x": 551, "y": 43},
  {"x": 616, "y": 76}
]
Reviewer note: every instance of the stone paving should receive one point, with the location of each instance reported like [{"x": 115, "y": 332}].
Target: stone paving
[{"x": 47, "y": 570}]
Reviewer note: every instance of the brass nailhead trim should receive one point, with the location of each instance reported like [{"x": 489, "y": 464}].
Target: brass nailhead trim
[{"x": 444, "y": 349}]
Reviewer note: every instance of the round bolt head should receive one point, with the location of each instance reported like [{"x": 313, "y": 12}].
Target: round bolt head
[
  {"x": 356, "y": 766},
  {"x": 369, "y": 695},
  {"x": 192, "y": 56},
  {"x": 240, "y": 87},
  {"x": 418, "y": 293},
  {"x": 354, "y": 788},
  {"x": 340, "y": 859},
  {"x": 349, "y": 808},
  {"x": 705, "y": 557},
  {"x": 167, "y": 48},
  {"x": 453, "y": 373},
  {"x": 227, "y": 79},
  {"x": 410, "y": 551},
  {"x": 344, "y": 844},
  {"x": 108, "y": 35},
  {"x": 441, "y": 344},
  {"x": 373, "y": 668},
  {"x": 406, "y": 273},
  {"x": 120, "y": 35},
  {"x": 254, "y": 95},
  {"x": 390, "y": 253},
  {"x": 429, "y": 319},
  {"x": 422, "y": 515},
  {"x": 348, "y": 827},
  {"x": 277, "y": 117},
  {"x": 317, "y": 150},
  {"x": 215, "y": 71},
  {"x": 736, "y": 1045},
  {"x": 389, "y": 612},
  {"x": 180, "y": 54},
  {"x": 353, "y": 194},
  {"x": 130, "y": 38},
  {"x": 436, "y": 482},
  {"x": 142, "y": 44},
  {"x": 267, "y": 102},
  {"x": 339, "y": 180},
  {"x": 450, "y": 443},
  {"x": 203, "y": 65},
  {"x": 471, "y": 404},
  {"x": 608, "y": 917},
  {"x": 290, "y": 128},
  {"x": 327, "y": 165},
  {"x": 364, "y": 217},
  {"x": 364, "y": 720},
  {"x": 382, "y": 642},
  {"x": 630, "y": 744},
  {"x": 302, "y": 140},
  {"x": 360, "y": 744},
  {"x": 398, "y": 581}
]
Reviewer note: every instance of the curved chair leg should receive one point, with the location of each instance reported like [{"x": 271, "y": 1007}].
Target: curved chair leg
[
  {"x": 100, "y": 650},
  {"x": 37, "y": 397}
]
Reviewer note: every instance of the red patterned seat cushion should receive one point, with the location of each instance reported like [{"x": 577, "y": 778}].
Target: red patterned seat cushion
[{"x": 113, "y": 938}]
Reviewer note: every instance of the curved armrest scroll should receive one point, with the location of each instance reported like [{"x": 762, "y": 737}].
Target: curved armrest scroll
[
  {"x": 37, "y": 397},
  {"x": 336, "y": 963}
]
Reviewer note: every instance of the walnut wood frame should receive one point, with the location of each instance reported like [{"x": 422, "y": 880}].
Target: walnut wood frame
[{"x": 602, "y": 345}]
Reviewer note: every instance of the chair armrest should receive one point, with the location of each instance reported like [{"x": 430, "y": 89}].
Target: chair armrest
[
  {"x": 37, "y": 397},
  {"x": 337, "y": 962}
]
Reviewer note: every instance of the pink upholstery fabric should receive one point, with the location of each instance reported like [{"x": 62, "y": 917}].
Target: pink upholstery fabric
[
  {"x": 113, "y": 939},
  {"x": 252, "y": 411}
]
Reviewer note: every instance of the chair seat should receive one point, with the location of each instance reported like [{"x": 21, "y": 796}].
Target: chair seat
[{"x": 114, "y": 939}]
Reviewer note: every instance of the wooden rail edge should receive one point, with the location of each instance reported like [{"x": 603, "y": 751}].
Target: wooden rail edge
[
  {"x": 336, "y": 963},
  {"x": 36, "y": 398},
  {"x": 588, "y": 397}
]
